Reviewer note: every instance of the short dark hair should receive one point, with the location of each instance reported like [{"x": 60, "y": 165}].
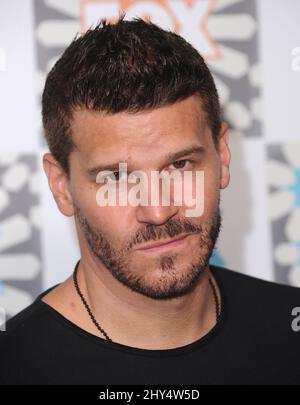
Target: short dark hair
[{"x": 127, "y": 66}]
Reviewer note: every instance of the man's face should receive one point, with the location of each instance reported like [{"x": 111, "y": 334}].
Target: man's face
[{"x": 120, "y": 236}]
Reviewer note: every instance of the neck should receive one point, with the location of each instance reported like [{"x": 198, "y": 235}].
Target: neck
[{"x": 132, "y": 319}]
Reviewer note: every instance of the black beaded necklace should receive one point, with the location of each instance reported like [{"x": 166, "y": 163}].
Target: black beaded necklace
[{"x": 101, "y": 330}]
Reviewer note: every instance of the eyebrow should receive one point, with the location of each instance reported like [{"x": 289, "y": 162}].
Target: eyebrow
[{"x": 193, "y": 150}]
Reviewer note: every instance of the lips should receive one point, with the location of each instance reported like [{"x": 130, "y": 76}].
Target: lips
[{"x": 168, "y": 243}]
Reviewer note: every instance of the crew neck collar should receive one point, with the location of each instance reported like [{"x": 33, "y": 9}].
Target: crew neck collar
[{"x": 197, "y": 344}]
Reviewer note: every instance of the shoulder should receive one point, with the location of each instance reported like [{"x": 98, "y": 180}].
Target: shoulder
[
  {"x": 25, "y": 340},
  {"x": 27, "y": 321},
  {"x": 251, "y": 287},
  {"x": 266, "y": 307},
  {"x": 20, "y": 325},
  {"x": 22, "y": 331}
]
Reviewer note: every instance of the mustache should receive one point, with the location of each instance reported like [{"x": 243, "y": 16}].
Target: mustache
[
  {"x": 149, "y": 233},
  {"x": 156, "y": 232}
]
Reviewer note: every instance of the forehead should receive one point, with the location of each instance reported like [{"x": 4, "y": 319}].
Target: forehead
[{"x": 145, "y": 134}]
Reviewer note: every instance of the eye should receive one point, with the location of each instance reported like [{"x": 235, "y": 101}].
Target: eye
[
  {"x": 180, "y": 164},
  {"x": 116, "y": 176}
]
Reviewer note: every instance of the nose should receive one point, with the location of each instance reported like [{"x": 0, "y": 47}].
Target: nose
[
  {"x": 155, "y": 212},
  {"x": 155, "y": 215}
]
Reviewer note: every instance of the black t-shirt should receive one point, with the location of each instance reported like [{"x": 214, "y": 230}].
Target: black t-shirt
[{"x": 253, "y": 343}]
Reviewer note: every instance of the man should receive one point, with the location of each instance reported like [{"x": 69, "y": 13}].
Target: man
[{"x": 144, "y": 306}]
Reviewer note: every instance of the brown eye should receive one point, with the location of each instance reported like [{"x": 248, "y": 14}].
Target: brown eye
[
  {"x": 179, "y": 164},
  {"x": 116, "y": 177}
]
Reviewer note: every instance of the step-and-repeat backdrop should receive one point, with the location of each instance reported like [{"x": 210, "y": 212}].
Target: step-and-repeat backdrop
[{"x": 252, "y": 48}]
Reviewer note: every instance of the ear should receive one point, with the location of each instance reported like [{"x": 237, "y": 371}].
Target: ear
[
  {"x": 58, "y": 184},
  {"x": 224, "y": 155}
]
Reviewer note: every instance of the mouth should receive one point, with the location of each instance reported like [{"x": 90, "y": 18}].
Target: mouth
[{"x": 167, "y": 244}]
